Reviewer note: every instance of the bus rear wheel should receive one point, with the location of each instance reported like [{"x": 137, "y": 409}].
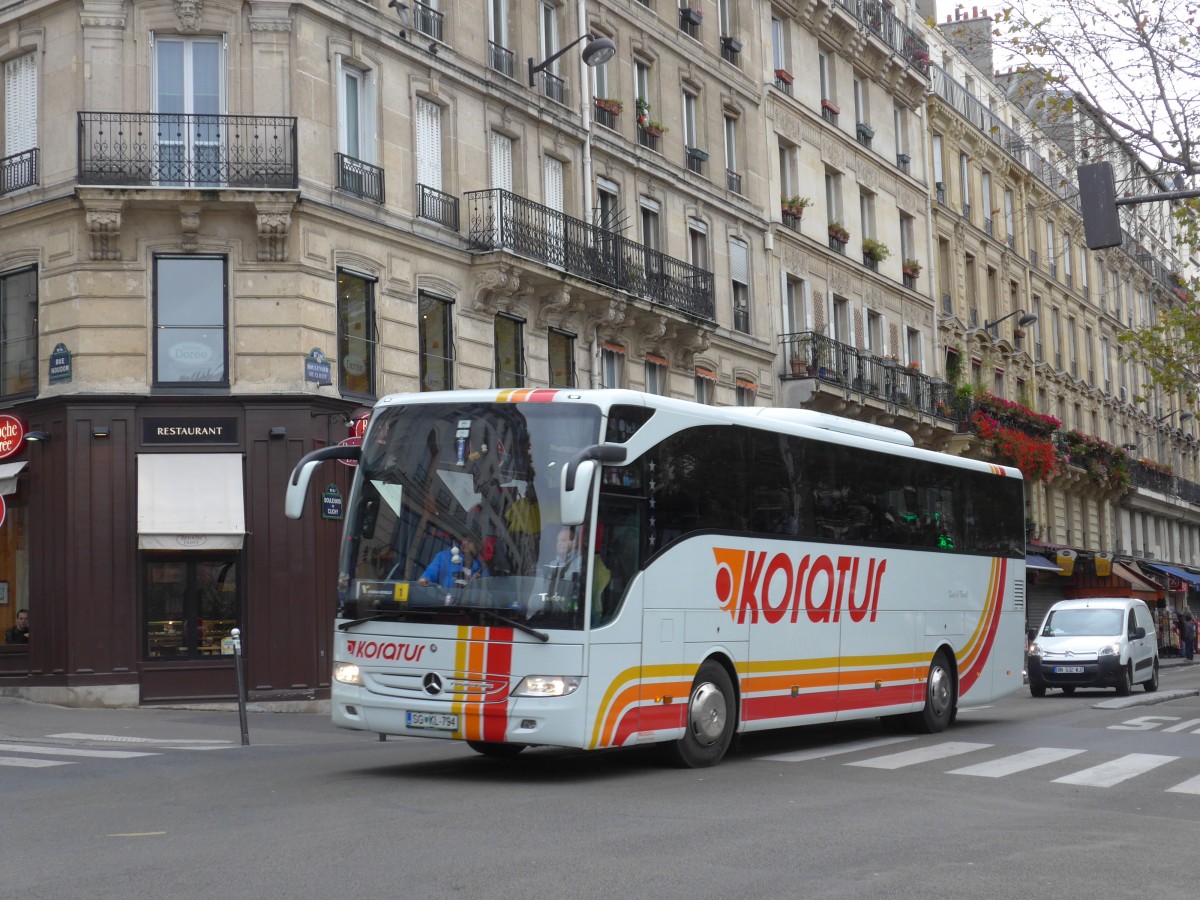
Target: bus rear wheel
[
  {"x": 941, "y": 697},
  {"x": 711, "y": 719},
  {"x": 495, "y": 749}
]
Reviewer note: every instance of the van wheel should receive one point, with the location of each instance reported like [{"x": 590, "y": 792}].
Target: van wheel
[
  {"x": 941, "y": 697},
  {"x": 711, "y": 719},
  {"x": 1125, "y": 681},
  {"x": 1152, "y": 685},
  {"x": 495, "y": 749}
]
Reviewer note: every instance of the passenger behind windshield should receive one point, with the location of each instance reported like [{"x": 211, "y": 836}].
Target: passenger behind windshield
[{"x": 455, "y": 566}]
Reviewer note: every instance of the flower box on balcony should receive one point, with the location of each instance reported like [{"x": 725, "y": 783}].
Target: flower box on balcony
[
  {"x": 609, "y": 105},
  {"x": 903, "y": 159},
  {"x": 698, "y": 154},
  {"x": 830, "y": 107},
  {"x": 654, "y": 128},
  {"x": 794, "y": 206},
  {"x": 875, "y": 251},
  {"x": 692, "y": 17},
  {"x": 911, "y": 267},
  {"x": 784, "y": 75},
  {"x": 865, "y": 131},
  {"x": 838, "y": 232},
  {"x": 732, "y": 44}
]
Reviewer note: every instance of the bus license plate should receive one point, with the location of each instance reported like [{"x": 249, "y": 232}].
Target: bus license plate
[
  {"x": 1066, "y": 670},
  {"x": 434, "y": 721}
]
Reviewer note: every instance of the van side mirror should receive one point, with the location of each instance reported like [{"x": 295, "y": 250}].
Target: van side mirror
[{"x": 1139, "y": 632}]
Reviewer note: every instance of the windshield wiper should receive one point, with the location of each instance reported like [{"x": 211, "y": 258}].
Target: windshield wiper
[
  {"x": 505, "y": 620},
  {"x": 346, "y": 626}
]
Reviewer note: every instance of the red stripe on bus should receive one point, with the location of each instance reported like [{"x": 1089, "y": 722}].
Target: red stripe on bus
[
  {"x": 968, "y": 678},
  {"x": 499, "y": 665}
]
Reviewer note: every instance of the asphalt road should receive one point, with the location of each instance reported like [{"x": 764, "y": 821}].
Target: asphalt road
[{"x": 1062, "y": 797}]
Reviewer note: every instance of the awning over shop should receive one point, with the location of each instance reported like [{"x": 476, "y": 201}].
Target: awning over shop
[
  {"x": 1136, "y": 581},
  {"x": 190, "y": 501},
  {"x": 8, "y": 476},
  {"x": 1033, "y": 561},
  {"x": 1174, "y": 572}
]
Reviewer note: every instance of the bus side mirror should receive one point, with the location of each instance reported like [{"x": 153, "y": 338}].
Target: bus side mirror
[
  {"x": 297, "y": 489},
  {"x": 577, "y": 477}
]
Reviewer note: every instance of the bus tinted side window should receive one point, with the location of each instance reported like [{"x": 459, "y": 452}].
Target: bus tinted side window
[{"x": 699, "y": 483}]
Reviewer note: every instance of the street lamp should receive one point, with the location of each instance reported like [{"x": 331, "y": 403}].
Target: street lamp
[
  {"x": 1026, "y": 319},
  {"x": 1183, "y": 417},
  {"x": 597, "y": 52}
]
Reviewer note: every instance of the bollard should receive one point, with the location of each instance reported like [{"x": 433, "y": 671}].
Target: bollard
[{"x": 236, "y": 634}]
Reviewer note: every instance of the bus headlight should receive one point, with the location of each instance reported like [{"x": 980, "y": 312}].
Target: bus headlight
[
  {"x": 546, "y": 686},
  {"x": 347, "y": 673},
  {"x": 1109, "y": 650}
]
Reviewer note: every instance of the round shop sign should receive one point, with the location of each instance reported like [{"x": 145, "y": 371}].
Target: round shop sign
[
  {"x": 350, "y": 442},
  {"x": 12, "y": 435},
  {"x": 3, "y": 510},
  {"x": 354, "y": 364}
]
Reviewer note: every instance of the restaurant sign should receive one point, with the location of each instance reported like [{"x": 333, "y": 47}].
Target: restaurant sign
[{"x": 196, "y": 430}]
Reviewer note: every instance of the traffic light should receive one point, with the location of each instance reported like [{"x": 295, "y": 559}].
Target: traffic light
[{"x": 1098, "y": 203}]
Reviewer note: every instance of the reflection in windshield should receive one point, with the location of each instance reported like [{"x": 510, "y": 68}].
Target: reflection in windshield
[
  {"x": 1084, "y": 623},
  {"x": 457, "y": 506}
]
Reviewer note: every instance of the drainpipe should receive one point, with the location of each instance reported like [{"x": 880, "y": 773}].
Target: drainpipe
[{"x": 585, "y": 120}]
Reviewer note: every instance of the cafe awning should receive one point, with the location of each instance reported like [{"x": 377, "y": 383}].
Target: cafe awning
[
  {"x": 1182, "y": 574},
  {"x": 1135, "y": 580},
  {"x": 190, "y": 501},
  {"x": 1034, "y": 561},
  {"x": 8, "y": 476}
]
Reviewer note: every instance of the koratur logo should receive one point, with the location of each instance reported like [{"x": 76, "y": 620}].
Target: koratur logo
[{"x": 749, "y": 581}]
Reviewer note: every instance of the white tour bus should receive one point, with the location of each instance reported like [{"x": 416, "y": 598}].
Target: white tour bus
[{"x": 604, "y": 568}]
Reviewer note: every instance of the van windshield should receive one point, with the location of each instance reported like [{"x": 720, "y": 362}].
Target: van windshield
[{"x": 1083, "y": 623}]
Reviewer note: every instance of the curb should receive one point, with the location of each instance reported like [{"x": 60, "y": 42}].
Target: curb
[{"x": 1145, "y": 699}]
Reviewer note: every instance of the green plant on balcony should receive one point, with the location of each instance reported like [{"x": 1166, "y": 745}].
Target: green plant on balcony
[
  {"x": 839, "y": 232},
  {"x": 610, "y": 105},
  {"x": 874, "y": 250},
  {"x": 794, "y": 206},
  {"x": 1106, "y": 465},
  {"x": 911, "y": 267},
  {"x": 1036, "y": 457}
]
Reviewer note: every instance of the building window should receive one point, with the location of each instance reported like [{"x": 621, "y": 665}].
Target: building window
[
  {"x": 732, "y": 177},
  {"x": 912, "y": 341},
  {"x": 429, "y": 143},
  {"x": 356, "y": 334},
  {"x": 355, "y": 112},
  {"x": 561, "y": 351},
  {"x": 698, "y": 244},
  {"x": 690, "y": 120},
  {"x": 705, "y": 386},
  {"x": 189, "y": 320},
  {"x": 656, "y": 375},
  {"x": 840, "y": 320},
  {"x": 612, "y": 366},
  {"x": 650, "y": 223},
  {"x": 20, "y": 108},
  {"x": 795, "y": 305},
  {"x": 739, "y": 276},
  {"x": 875, "y": 333},
  {"x": 189, "y": 79},
  {"x": 18, "y": 350},
  {"x": 744, "y": 393},
  {"x": 509, "y": 369},
  {"x": 436, "y": 342},
  {"x": 192, "y": 603}
]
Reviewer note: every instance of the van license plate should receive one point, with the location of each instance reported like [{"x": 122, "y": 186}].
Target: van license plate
[
  {"x": 1058, "y": 670},
  {"x": 433, "y": 721}
]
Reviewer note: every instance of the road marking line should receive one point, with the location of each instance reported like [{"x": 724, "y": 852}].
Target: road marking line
[
  {"x": 1118, "y": 770},
  {"x": 1181, "y": 726},
  {"x": 127, "y": 739},
  {"x": 33, "y": 763},
  {"x": 138, "y": 834},
  {"x": 834, "y": 750},
  {"x": 73, "y": 751},
  {"x": 920, "y": 755},
  {"x": 1191, "y": 786},
  {"x": 1018, "y": 762}
]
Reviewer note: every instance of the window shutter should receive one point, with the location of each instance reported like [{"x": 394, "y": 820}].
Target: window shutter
[
  {"x": 429, "y": 144},
  {"x": 554, "y": 183},
  {"x": 501, "y": 162},
  {"x": 739, "y": 261},
  {"x": 20, "y": 104}
]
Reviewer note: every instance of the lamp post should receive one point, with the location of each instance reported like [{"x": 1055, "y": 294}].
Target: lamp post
[
  {"x": 1026, "y": 319},
  {"x": 597, "y": 52}
]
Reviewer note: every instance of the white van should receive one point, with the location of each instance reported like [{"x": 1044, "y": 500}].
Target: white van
[{"x": 1095, "y": 642}]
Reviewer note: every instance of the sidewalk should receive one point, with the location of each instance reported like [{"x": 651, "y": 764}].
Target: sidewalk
[{"x": 24, "y": 721}]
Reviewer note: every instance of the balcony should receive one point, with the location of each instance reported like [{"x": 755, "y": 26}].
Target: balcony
[
  {"x": 438, "y": 207},
  {"x": 187, "y": 151},
  {"x": 813, "y": 355},
  {"x": 883, "y": 23},
  {"x": 733, "y": 181},
  {"x": 695, "y": 160},
  {"x": 502, "y": 220},
  {"x": 690, "y": 21},
  {"x": 553, "y": 87},
  {"x": 359, "y": 178},
  {"x": 649, "y": 137},
  {"x": 18, "y": 171},
  {"x": 500, "y": 59},
  {"x": 428, "y": 20},
  {"x": 731, "y": 49}
]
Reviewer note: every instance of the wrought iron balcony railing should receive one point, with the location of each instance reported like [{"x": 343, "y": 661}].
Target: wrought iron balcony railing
[
  {"x": 438, "y": 207},
  {"x": 883, "y": 23},
  {"x": 502, "y": 220},
  {"x": 182, "y": 150},
  {"x": 428, "y": 20},
  {"x": 813, "y": 355},
  {"x": 500, "y": 59},
  {"x": 359, "y": 178},
  {"x": 554, "y": 87},
  {"x": 18, "y": 171}
]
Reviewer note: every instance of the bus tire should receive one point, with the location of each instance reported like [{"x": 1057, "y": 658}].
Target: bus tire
[
  {"x": 495, "y": 749},
  {"x": 941, "y": 697},
  {"x": 711, "y": 719}
]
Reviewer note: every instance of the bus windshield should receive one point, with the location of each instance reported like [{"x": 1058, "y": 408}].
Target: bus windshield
[{"x": 455, "y": 508}]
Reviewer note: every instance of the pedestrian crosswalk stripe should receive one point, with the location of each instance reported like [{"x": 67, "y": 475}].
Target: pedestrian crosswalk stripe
[
  {"x": 73, "y": 751},
  {"x": 920, "y": 755},
  {"x": 1191, "y": 786},
  {"x": 130, "y": 739},
  {"x": 1117, "y": 770},
  {"x": 1018, "y": 762},
  {"x": 835, "y": 749},
  {"x": 33, "y": 763}
]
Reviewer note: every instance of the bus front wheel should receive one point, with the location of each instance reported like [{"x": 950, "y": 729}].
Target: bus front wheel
[
  {"x": 941, "y": 698},
  {"x": 711, "y": 719}
]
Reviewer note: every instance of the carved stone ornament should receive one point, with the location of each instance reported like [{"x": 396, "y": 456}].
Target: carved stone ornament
[
  {"x": 498, "y": 287},
  {"x": 606, "y": 314},
  {"x": 555, "y": 305},
  {"x": 273, "y": 229},
  {"x": 104, "y": 228},
  {"x": 189, "y": 225},
  {"x": 189, "y": 13}
]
